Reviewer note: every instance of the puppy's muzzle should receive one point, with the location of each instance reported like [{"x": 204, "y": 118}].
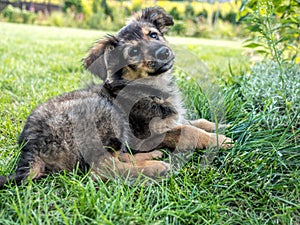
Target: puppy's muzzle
[
  {"x": 163, "y": 54},
  {"x": 162, "y": 61},
  {"x": 154, "y": 57}
]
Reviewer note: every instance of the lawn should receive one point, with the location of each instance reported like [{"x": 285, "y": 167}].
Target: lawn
[{"x": 255, "y": 182}]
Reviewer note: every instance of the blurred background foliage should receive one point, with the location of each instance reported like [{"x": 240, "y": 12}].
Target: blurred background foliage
[
  {"x": 210, "y": 19},
  {"x": 270, "y": 27},
  {"x": 275, "y": 28}
]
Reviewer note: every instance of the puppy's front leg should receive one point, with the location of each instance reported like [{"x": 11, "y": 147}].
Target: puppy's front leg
[
  {"x": 189, "y": 137},
  {"x": 205, "y": 125}
]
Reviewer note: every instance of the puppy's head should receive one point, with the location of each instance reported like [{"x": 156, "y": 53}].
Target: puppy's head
[{"x": 139, "y": 50}]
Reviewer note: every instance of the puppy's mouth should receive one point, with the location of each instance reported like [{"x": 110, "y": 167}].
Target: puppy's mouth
[{"x": 158, "y": 67}]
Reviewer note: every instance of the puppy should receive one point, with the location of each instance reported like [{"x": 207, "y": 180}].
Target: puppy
[{"x": 138, "y": 109}]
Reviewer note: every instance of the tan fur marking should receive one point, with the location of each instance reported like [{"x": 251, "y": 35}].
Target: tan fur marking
[
  {"x": 189, "y": 137},
  {"x": 113, "y": 167},
  {"x": 133, "y": 75},
  {"x": 37, "y": 169},
  {"x": 205, "y": 125},
  {"x": 129, "y": 158},
  {"x": 145, "y": 31}
]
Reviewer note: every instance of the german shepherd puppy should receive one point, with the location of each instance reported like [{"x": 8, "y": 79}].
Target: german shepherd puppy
[{"x": 115, "y": 129}]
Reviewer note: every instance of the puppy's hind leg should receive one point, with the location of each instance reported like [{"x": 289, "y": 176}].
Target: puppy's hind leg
[
  {"x": 138, "y": 157},
  {"x": 112, "y": 168}
]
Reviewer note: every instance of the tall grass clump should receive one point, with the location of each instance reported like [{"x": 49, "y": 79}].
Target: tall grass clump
[{"x": 263, "y": 92}]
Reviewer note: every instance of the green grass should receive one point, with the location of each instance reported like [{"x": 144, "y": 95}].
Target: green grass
[{"x": 255, "y": 182}]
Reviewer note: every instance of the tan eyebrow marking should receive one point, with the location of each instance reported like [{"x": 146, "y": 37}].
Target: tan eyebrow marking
[{"x": 146, "y": 31}]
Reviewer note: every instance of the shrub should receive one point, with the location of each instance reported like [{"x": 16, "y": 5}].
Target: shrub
[
  {"x": 12, "y": 14},
  {"x": 203, "y": 14},
  {"x": 179, "y": 28},
  {"x": 175, "y": 13},
  {"x": 230, "y": 17},
  {"x": 28, "y": 16},
  {"x": 96, "y": 6},
  {"x": 17, "y": 15},
  {"x": 56, "y": 19},
  {"x": 74, "y": 5},
  {"x": 189, "y": 11},
  {"x": 87, "y": 9},
  {"x": 60, "y": 19}
]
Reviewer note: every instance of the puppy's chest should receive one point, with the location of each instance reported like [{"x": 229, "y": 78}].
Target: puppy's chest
[
  {"x": 154, "y": 115},
  {"x": 149, "y": 109}
]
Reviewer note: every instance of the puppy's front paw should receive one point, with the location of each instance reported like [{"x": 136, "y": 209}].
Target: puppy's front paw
[
  {"x": 221, "y": 141},
  {"x": 227, "y": 143},
  {"x": 207, "y": 125},
  {"x": 161, "y": 170},
  {"x": 156, "y": 154},
  {"x": 223, "y": 126}
]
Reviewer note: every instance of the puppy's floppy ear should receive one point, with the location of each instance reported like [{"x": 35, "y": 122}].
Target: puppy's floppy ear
[
  {"x": 96, "y": 62},
  {"x": 157, "y": 16}
]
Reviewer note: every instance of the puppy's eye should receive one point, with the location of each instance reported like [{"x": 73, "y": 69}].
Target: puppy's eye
[
  {"x": 154, "y": 35},
  {"x": 135, "y": 51}
]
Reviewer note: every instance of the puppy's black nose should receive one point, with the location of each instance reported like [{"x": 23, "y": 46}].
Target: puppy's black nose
[{"x": 163, "y": 53}]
